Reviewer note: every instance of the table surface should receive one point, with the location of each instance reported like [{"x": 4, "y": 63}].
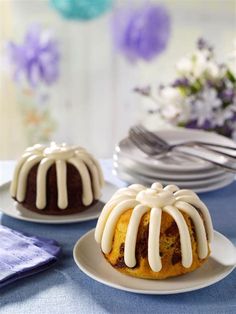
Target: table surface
[{"x": 65, "y": 289}]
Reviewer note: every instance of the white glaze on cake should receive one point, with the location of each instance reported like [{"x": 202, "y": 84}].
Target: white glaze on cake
[
  {"x": 88, "y": 168},
  {"x": 157, "y": 199}
]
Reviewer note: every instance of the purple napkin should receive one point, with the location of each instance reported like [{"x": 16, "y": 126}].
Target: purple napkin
[{"x": 22, "y": 255}]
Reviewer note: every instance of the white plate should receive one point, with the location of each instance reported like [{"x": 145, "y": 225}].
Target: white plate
[
  {"x": 175, "y": 179},
  {"x": 165, "y": 175},
  {"x": 88, "y": 257},
  {"x": 174, "y": 161},
  {"x": 9, "y": 207},
  {"x": 198, "y": 188}
]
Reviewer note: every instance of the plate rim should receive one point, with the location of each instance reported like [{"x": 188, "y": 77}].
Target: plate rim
[
  {"x": 201, "y": 189},
  {"x": 68, "y": 219},
  {"x": 166, "y": 174},
  {"x": 149, "y": 292},
  {"x": 200, "y": 181}
]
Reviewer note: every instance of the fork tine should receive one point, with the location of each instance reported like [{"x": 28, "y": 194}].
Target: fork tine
[
  {"x": 152, "y": 136},
  {"x": 142, "y": 136},
  {"x": 143, "y": 144},
  {"x": 140, "y": 145},
  {"x": 139, "y": 139}
]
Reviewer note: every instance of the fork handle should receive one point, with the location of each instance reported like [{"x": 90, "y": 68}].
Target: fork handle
[
  {"x": 210, "y": 147},
  {"x": 206, "y": 155},
  {"x": 217, "y": 145}
]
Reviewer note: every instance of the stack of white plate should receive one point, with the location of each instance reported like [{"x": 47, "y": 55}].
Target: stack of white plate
[{"x": 133, "y": 166}]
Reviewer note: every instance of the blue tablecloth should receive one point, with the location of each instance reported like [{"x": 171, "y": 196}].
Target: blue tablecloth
[{"x": 65, "y": 289}]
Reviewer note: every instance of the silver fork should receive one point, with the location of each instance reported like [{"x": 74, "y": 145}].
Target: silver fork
[
  {"x": 147, "y": 143},
  {"x": 156, "y": 140}
]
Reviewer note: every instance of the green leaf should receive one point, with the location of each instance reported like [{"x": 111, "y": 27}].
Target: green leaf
[
  {"x": 230, "y": 76},
  {"x": 182, "y": 124}
]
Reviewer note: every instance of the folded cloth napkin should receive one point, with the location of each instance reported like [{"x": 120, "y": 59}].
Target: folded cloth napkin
[{"x": 22, "y": 255}]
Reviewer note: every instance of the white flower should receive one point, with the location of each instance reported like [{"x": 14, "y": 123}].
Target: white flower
[
  {"x": 171, "y": 112},
  {"x": 170, "y": 95},
  {"x": 220, "y": 116},
  {"x": 195, "y": 65},
  {"x": 203, "y": 107},
  {"x": 185, "y": 66},
  {"x": 199, "y": 64},
  {"x": 213, "y": 71},
  {"x": 173, "y": 105}
]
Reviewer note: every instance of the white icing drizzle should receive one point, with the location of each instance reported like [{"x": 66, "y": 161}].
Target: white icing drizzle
[
  {"x": 194, "y": 200},
  {"x": 87, "y": 197},
  {"x": 87, "y": 157},
  {"x": 13, "y": 188},
  {"x": 198, "y": 225},
  {"x": 171, "y": 188},
  {"x": 94, "y": 172},
  {"x": 132, "y": 231},
  {"x": 44, "y": 165},
  {"x": 89, "y": 169},
  {"x": 154, "y": 239},
  {"x": 156, "y": 199},
  {"x": 62, "y": 201},
  {"x": 23, "y": 175},
  {"x": 112, "y": 220},
  {"x": 185, "y": 240}
]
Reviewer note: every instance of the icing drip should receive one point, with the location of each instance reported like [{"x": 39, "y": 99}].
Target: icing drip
[
  {"x": 87, "y": 197},
  {"x": 157, "y": 199},
  {"x": 154, "y": 239},
  {"x": 43, "y": 167},
  {"x": 185, "y": 241},
  {"x": 109, "y": 228},
  {"x": 61, "y": 184},
  {"x": 129, "y": 253},
  {"x": 45, "y": 156},
  {"x": 24, "y": 171}
]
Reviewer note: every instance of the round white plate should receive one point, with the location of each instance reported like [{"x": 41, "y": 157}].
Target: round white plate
[
  {"x": 88, "y": 257},
  {"x": 198, "y": 188},
  {"x": 176, "y": 180},
  {"x": 9, "y": 207},
  {"x": 164, "y": 174},
  {"x": 174, "y": 161}
]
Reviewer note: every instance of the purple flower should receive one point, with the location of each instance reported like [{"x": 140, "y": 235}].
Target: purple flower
[
  {"x": 37, "y": 58},
  {"x": 141, "y": 33},
  {"x": 193, "y": 124},
  {"x": 202, "y": 44},
  {"x": 145, "y": 91},
  {"x": 227, "y": 95},
  {"x": 181, "y": 82}
]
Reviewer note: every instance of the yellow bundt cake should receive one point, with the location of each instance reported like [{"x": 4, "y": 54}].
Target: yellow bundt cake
[{"x": 155, "y": 232}]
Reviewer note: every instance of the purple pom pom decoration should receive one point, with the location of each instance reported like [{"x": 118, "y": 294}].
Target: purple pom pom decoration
[
  {"x": 142, "y": 32},
  {"x": 36, "y": 59}
]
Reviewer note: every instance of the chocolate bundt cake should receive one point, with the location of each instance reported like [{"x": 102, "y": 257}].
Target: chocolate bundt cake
[
  {"x": 56, "y": 179},
  {"x": 155, "y": 232}
]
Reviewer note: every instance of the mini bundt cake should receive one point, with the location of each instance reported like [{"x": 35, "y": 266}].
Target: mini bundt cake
[
  {"x": 56, "y": 179},
  {"x": 156, "y": 232}
]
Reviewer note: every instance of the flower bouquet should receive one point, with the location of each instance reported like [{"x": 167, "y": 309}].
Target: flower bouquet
[{"x": 202, "y": 97}]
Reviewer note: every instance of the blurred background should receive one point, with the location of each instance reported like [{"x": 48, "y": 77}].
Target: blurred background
[{"x": 68, "y": 69}]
